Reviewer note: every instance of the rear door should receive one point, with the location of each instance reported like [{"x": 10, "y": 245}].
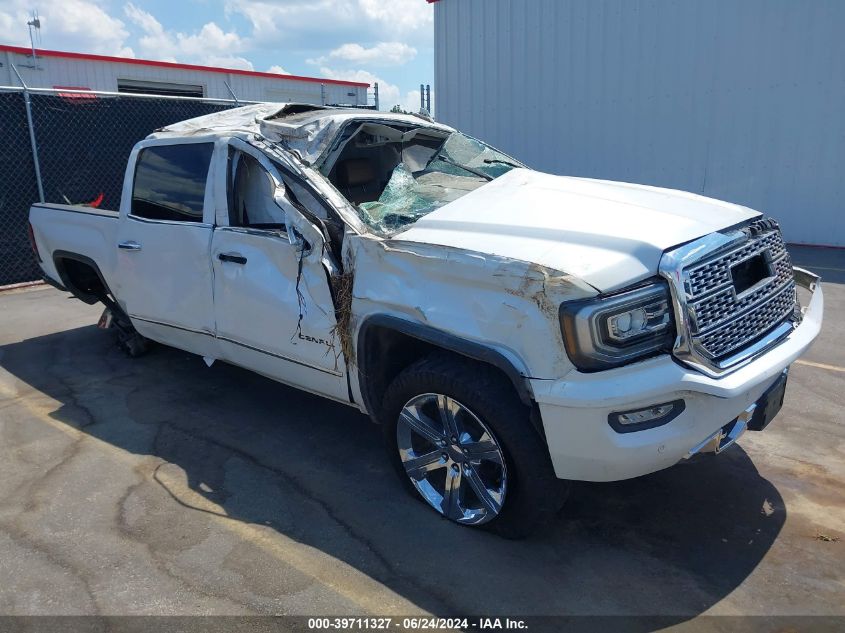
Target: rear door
[
  {"x": 163, "y": 245},
  {"x": 273, "y": 305}
]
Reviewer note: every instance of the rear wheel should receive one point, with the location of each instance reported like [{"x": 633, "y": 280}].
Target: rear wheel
[
  {"x": 463, "y": 442},
  {"x": 127, "y": 337},
  {"x": 132, "y": 343}
]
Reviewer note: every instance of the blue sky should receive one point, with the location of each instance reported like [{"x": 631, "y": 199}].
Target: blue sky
[{"x": 389, "y": 41}]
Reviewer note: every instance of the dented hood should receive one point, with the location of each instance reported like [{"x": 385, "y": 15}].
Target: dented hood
[{"x": 609, "y": 234}]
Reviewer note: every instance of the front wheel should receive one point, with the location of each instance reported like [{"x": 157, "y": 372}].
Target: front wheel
[{"x": 463, "y": 442}]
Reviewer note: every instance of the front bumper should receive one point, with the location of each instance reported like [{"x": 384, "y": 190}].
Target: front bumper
[{"x": 575, "y": 409}]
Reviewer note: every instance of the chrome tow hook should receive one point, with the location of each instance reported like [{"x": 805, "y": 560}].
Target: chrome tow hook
[{"x": 726, "y": 436}]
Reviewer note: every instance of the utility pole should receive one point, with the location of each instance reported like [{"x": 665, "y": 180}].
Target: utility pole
[
  {"x": 33, "y": 143},
  {"x": 35, "y": 23}
]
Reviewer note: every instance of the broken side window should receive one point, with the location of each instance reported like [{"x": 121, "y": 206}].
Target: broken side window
[
  {"x": 256, "y": 198},
  {"x": 407, "y": 197},
  {"x": 425, "y": 173},
  {"x": 395, "y": 175},
  {"x": 252, "y": 200}
]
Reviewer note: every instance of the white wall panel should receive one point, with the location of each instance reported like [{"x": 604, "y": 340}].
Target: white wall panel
[
  {"x": 100, "y": 75},
  {"x": 741, "y": 100}
]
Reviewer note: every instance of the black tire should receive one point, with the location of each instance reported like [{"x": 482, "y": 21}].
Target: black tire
[
  {"x": 130, "y": 342},
  {"x": 534, "y": 495}
]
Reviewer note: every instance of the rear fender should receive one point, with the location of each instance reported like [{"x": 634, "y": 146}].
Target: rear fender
[{"x": 60, "y": 259}]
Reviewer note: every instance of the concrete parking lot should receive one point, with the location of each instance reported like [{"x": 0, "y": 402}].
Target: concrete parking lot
[{"x": 161, "y": 486}]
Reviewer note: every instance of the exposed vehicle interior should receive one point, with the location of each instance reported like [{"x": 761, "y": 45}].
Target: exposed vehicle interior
[
  {"x": 252, "y": 200},
  {"x": 258, "y": 201},
  {"x": 395, "y": 174},
  {"x": 368, "y": 157}
]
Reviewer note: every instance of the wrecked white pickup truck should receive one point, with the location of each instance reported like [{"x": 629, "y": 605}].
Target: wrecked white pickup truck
[{"x": 510, "y": 330}]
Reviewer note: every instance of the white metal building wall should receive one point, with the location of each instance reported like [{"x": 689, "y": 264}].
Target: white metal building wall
[
  {"x": 102, "y": 75},
  {"x": 742, "y": 100}
]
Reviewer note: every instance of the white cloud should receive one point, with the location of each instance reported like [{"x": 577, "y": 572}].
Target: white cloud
[
  {"x": 225, "y": 61},
  {"x": 285, "y": 23},
  {"x": 73, "y": 25},
  {"x": 389, "y": 94},
  {"x": 357, "y": 75},
  {"x": 299, "y": 22},
  {"x": 411, "y": 101},
  {"x": 382, "y": 54},
  {"x": 143, "y": 19},
  {"x": 377, "y": 34},
  {"x": 342, "y": 37},
  {"x": 211, "y": 45},
  {"x": 399, "y": 15}
]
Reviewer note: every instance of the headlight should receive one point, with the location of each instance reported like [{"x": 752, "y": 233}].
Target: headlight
[{"x": 612, "y": 330}]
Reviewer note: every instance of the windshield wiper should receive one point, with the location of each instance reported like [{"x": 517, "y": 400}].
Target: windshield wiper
[
  {"x": 491, "y": 161},
  {"x": 477, "y": 172}
]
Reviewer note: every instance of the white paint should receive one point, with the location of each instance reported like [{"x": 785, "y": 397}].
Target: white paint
[
  {"x": 308, "y": 135},
  {"x": 575, "y": 409},
  {"x": 257, "y": 309},
  {"x": 608, "y": 234},
  {"x": 491, "y": 268}
]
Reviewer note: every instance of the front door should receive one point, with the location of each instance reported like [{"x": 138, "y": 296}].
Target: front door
[
  {"x": 273, "y": 306},
  {"x": 163, "y": 278}
]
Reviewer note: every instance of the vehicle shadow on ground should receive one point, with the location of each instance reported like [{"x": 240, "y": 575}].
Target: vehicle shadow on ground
[{"x": 671, "y": 544}]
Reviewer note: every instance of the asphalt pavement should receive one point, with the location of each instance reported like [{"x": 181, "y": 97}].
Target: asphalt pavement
[{"x": 161, "y": 486}]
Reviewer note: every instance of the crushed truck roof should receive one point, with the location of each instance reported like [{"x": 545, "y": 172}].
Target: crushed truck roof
[{"x": 305, "y": 129}]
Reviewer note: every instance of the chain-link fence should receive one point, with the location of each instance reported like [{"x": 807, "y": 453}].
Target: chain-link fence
[
  {"x": 83, "y": 141},
  {"x": 18, "y": 189}
]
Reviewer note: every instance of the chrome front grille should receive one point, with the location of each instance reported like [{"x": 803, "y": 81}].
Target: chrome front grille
[
  {"x": 721, "y": 304},
  {"x": 719, "y": 319},
  {"x": 745, "y": 328},
  {"x": 716, "y": 273}
]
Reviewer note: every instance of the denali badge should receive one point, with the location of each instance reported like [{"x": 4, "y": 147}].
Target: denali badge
[{"x": 312, "y": 339}]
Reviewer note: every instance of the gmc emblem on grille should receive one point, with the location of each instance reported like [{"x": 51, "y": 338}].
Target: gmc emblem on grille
[{"x": 752, "y": 273}]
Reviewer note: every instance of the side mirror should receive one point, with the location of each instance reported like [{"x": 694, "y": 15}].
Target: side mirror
[
  {"x": 294, "y": 237},
  {"x": 302, "y": 235}
]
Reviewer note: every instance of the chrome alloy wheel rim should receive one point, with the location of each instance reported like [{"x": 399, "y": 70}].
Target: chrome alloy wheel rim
[{"x": 452, "y": 458}]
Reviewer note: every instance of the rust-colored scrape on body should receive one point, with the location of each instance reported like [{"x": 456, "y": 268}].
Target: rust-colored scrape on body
[
  {"x": 342, "y": 330},
  {"x": 535, "y": 286}
]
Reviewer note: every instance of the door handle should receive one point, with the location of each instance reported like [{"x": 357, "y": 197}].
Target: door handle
[
  {"x": 235, "y": 258},
  {"x": 129, "y": 246}
]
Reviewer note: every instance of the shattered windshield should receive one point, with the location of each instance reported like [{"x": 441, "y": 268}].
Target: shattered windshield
[{"x": 394, "y": 177}]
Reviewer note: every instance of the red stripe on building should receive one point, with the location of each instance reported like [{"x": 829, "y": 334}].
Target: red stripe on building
[{"x": 150, "y": 62}]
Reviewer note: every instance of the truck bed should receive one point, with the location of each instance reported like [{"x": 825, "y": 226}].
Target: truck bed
[
  {"x": 82, "y": 232},
  {"x": 75, "y": 208}
]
